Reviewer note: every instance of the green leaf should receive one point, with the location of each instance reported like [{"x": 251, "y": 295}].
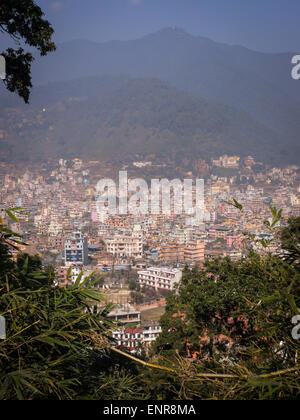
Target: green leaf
[
  {"x": 92, "y": 295},
  {"x": 78, "y": 279},
  {"x": 12, "y": 216}
]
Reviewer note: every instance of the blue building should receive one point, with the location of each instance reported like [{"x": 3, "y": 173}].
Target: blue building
[{"x": 76, "y": 250}]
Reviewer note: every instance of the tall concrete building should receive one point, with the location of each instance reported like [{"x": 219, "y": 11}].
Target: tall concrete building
[
  {"x": 76, "y": 250},
  {"x": 194, "y": 252},
  {"x": 172, "y": 253},
  {"x": 176, "y": 253},
  {"x": 126, "y": 245}
]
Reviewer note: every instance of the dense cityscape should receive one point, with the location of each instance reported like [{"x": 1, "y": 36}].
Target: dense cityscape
[
  {"x": 140, "y": 258},
  {"x": 149, "y": 204}
]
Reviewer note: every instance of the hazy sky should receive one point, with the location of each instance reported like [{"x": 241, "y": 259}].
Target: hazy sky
[{"x": 263, "y": 25}]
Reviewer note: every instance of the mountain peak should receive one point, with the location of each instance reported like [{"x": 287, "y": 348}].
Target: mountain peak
[
  {"x": 171, "y": 31},
  {"x": 174, "y": 29}
]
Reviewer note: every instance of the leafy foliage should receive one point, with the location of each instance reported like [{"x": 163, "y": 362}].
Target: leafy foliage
[
  {"x": 119, "y": 118},
  {"x": 23, "y": 21},
  {"x": 236, "y": 317},
  {"x": 56, "y": 345},
  {"x": 290, "y": 237},
  {"x": 226, "y": 334}
]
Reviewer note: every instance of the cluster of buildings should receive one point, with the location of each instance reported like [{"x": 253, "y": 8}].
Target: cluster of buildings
[
  {"x": 63, "y": 226},
  {"x": 60, "y": 199},
  {"x": 230, "y": 161}
]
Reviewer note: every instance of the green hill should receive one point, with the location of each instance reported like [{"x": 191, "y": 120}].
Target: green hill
[{"x": 116, "y": 118}]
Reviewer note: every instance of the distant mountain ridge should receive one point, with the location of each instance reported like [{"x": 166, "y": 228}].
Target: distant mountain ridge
[
  {"x": 117, "y": 117},
  {"x": 254, "y": 83}
]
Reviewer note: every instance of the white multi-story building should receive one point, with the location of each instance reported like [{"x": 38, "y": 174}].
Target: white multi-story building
[
  {"x": 159, "y": 277},
  {"x": 124, "y": 245},
  {"x": 132, "y": 338},
  {"x": 151, "y": 332},
  {"x": 184, "y": 235}
]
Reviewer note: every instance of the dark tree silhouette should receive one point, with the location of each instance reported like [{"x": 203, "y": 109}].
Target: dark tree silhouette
[{"x": 23, "y": 21}]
